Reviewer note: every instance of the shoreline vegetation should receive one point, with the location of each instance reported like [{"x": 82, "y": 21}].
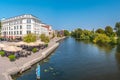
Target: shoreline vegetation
[{"x": 100, "y": 36}]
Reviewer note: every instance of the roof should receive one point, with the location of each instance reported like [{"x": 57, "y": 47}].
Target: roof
[
  {"x": 46, "y": 26},
  {"x": 20, "y": 16}
]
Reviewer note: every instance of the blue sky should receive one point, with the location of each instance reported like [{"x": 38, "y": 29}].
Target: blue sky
[{"x": 66, "y": 14}]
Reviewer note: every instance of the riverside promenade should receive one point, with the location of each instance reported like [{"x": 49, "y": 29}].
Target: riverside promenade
[{"x": 8, "y": 68}]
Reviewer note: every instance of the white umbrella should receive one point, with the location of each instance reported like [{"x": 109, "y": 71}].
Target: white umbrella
[
  {"x": 20, "y": 43},
  {"x": 32, "y": 44},
  {"x": 12, "y": 48},
  {"x": 39, "y": 42},
  {"x": 2, "y": 45}
]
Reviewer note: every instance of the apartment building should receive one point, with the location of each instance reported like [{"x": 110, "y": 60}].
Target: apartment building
[{"x": 19, "y": 26}]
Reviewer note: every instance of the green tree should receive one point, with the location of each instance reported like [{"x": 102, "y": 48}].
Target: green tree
[
  {"x": 66, "y": 33},
  {"x": 109, "y": 31},
  {"x": 53, "y": 35},
  {"x": 113, "y": 40},
  {"x": 117, "y": 28},
  {"x": 81, "y": 34},
  {"x": 101, "y": 38},
  {"x": 101, "y": 31},
  {"x": 29, "y": 38},
  {"x": 44, "y": 38},
  {"x": 86, "y": 34},
  {"x": 78, "y": 33}
]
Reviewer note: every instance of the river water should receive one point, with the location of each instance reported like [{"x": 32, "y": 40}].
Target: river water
[{"x": 78, "y": 60}]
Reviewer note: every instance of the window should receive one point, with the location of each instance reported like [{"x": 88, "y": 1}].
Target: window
[
  {"x": 17, "y": 27},
  {"x": 9, "y": 32},
  {"x": 28, "y": 20},
  {"x": 14, "y": 32},
  {"x": 28, "y": 26},
  {"x": 14, "y": 27},
  {"x": 28, "y": 32},
  {"x": 20, "y": 32},
  {"x": 20, "y": 26},
  {"x": 17, "y": 32}
]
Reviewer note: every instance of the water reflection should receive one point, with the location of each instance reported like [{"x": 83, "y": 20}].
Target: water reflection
[
  {"x": 117, "y": 55},
  {"x": 102, "y": 47},
  {"x": 84, "y": 41},
  {"x": 105, "y": 47}
]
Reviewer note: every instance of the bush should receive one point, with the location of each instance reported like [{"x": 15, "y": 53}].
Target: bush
[
  {"x": 34, "y": 50},
  {"x": 11, "y": 57},
  {"x": 2, "y": 53}
]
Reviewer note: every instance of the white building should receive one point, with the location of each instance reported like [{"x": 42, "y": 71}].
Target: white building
[{"x": 19, "y": 26}]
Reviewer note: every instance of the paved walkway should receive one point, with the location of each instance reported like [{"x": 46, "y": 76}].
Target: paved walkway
[{"x": 6, "y": 65}]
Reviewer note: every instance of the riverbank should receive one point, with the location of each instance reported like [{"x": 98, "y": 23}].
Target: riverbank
[
  {"x": 8, "y": 68},
  {"x": 80, "y": 59}
]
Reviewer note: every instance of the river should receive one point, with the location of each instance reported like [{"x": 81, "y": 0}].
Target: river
[{"x": 78, "y": 60}]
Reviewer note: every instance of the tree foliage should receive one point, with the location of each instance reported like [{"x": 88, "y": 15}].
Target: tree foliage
[
  {"x": 81, "y": 34},
  {"x": 101, "y": 31},
  {"x": 66, "y": 33},
  {"x": 76, "y": 33},
  {"x": 101, "y": 38},
  {"x": 29, "y": 38},
  {"x": 44, "y": 38},
  {"x": 117, "y": 28},
  {"x": 109, "y": 31},
  {"x": 53, "y": 35}
]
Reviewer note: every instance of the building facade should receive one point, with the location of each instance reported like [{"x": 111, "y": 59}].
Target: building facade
[{"x": 19, "y": 26}]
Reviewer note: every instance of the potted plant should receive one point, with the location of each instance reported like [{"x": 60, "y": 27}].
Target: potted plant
[
  {"x": 34, "y": 50},
  {"x": 46, "y": 45},
  {"x": 2, "y": 53},
  {"x": 11, "y": 57}
]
